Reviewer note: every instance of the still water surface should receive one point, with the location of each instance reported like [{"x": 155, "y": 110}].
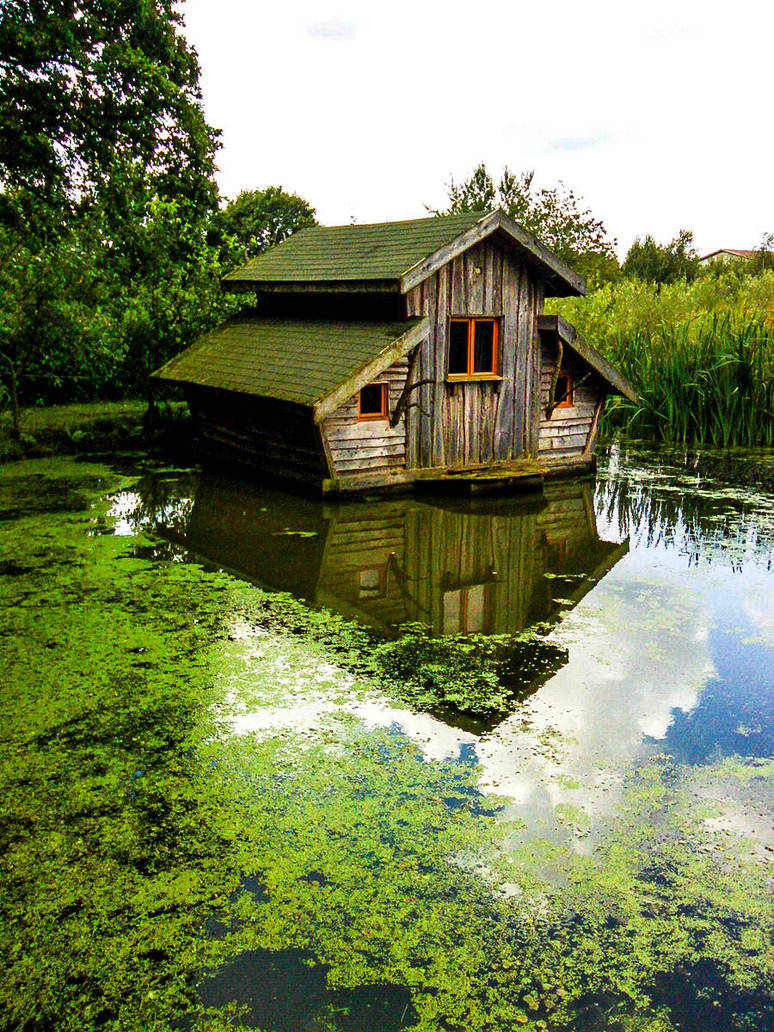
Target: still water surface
[{"x": 217, "y": 814}]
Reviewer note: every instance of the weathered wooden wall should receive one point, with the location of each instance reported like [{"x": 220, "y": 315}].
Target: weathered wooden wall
[
  {"x": 371, "y": 445},
  {"x": 366, "y": 540},
  {"x": 458, "y": 424},
  {"x": 274, "y": 437},
  {"x": 568, "y": 431}
]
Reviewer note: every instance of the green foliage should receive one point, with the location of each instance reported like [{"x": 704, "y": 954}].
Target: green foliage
[
  {"x": 258, "y": 219},
  {"x": 106, "y": 191},
  {"x": 700, "y": 353},
  {"x": 166, "y": 289},
  {"x": 553, "y": 214},
  {"x": 662, "y": 263},
  {"x": 96, "y": 92},
  {"x": 52, "y": 311}
]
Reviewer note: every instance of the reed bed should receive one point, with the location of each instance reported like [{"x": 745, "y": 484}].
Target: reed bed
[
  {"x": 708, "y": 381},
  {"x": 701, "y": 356}
]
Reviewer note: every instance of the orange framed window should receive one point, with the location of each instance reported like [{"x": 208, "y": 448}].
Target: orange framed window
[
  {"x": 563, "y": 391},
  {"x": 372, "y": 582},
  {"x": 472, "y": 348},
  {"x": 469, "y": 610},
  {"x": 372, "y": 402}
]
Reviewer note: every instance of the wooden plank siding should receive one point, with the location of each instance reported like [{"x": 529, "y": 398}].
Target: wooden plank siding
[
  {"x": 365, "y": 539},
  {"x": 370, "y": 445},
  {"x": 476, "y": 422},
  {"x": 569, "y": 430}
]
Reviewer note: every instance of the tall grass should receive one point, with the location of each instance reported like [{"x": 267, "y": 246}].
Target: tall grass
[
  {"x": 701, "y": 355},
  {"x": 707, "y": 381}
]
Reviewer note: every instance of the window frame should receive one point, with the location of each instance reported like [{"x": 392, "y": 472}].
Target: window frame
[
  {"x": 383, "y": 413},
  {"x": 380, "y": 592},
  {"x": 462, "y": 613},
  {"x": 568, "y": 399},
  {"x": 471, "y": 321}
]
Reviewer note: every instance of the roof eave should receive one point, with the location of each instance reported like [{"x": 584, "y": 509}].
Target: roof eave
[
  {"x": 362, "y": 376},
  {"x": 570, "y": 336},
  {"x": 360, "y": 286},
  {"x": 559, "y": 277}
]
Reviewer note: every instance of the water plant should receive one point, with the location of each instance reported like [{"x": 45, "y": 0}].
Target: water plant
[
  {"x": 701, "y": 355},
  {"x": 149, "y": 851}
]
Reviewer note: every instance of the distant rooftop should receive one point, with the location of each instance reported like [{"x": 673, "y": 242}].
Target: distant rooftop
[{"x": 731, "y": 252}]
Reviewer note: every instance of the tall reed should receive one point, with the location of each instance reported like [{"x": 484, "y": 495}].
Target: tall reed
[
  {"x": 700, "y": 354},
  {"x": 708, "y": 381}
]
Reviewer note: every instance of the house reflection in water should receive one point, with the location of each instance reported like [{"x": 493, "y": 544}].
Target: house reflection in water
[{"x": 492, "y": 566}]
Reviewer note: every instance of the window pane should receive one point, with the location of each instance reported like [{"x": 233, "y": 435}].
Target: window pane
[
  {"x": 483, "y": 347},
  {"x": 476, "y": 608},
  {"x": 562, "y": 393},
  {"x": 370, "y": 583},
  {"x": 452, "y": 612},
  {"x": 458, "y": 347},
  {"x": 371, "y": 400}
]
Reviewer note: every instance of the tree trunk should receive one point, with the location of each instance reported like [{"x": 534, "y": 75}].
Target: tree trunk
[{"x": 15, "y": 413}]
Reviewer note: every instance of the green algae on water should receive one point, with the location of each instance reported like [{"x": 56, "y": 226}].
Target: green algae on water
[{"x": 161, "y": 820}]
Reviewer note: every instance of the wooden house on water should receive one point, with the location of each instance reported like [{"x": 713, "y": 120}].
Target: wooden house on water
[{"x": 396, "y": 354}]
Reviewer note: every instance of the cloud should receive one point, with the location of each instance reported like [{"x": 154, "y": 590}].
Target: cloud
[
  {"x": 660, "y": 33},
  {"x": 577, "y": 143},
  {"x": 332, "y": 29}
]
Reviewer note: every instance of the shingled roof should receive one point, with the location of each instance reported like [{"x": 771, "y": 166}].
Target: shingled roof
[
  {"x": 307, "y": 361},
  {"x": 393, "y": 255}
]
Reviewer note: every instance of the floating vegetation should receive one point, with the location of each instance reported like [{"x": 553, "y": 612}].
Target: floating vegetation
[{"x": 219, "y": 810}]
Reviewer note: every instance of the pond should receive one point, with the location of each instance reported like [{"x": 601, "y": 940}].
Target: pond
[{"x": 405, "y": 764}]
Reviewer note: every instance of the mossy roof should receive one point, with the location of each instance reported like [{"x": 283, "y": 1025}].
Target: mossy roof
[
  {"x": 296, "y": 360},
  {"x": 378, "y": 251},
  {"x": 394, "y": 256}
]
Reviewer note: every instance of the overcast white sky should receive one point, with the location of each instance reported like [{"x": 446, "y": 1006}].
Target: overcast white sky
[{"x": 658, "y": 113}]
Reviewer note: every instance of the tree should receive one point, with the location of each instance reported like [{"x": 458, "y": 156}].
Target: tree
[
  {"x": 167, "y": 292},
  {"x": 764, "y": 254},
  {"x": 51, "y": 316},
  {"x": 662, "y": 263},
  {"x": 106, "y": 180},
  {"x": 95, "y": 90},
  {"x": 554, "y": 214},
  {"x": 258, "y": 219}
]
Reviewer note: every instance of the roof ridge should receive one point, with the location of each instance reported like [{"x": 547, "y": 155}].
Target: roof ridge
[{"x": 480, "y": 212}]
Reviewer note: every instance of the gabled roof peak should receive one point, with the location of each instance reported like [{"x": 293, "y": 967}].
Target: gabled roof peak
[{"x": 393, "y": 256}]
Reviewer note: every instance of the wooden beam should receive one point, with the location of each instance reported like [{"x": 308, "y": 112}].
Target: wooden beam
[
  {"x": 370, "y": 370},
  {"x": 594, "y": 429},
  {"x": 567, "y": 333},
  {"x": 553, "y": 269},
  {"x": 247, "y": 286}
]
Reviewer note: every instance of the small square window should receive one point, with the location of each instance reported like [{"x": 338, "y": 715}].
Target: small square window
[
  {"x": 472, "y": 348},
  {"x": 372, "y": 402},
  {"x": 563, "y": 391},
  {"x": 372, "y": 582}
]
